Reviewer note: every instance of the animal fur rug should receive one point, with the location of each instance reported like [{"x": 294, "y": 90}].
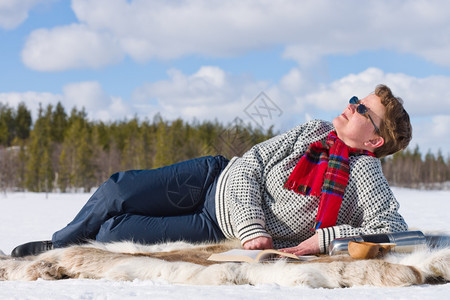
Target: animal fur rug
[{"x": 184, "y": 263}]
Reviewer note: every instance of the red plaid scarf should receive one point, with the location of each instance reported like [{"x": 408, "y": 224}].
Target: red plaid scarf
[{"x": 324, "y": 171}]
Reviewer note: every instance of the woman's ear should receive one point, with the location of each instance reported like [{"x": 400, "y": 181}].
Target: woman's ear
[{"x": 376, "y": 142}]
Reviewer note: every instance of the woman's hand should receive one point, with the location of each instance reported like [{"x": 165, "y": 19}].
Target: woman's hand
[
  {"x": 260, "y": 242},
  {"x": 309, "y": 246}
]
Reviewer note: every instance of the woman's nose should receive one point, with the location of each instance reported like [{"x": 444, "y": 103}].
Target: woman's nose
[{"x": 351, "y": 107}]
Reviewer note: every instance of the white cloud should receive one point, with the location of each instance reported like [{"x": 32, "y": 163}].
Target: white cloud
[
  {"x": 15, "y": 12},
  {"x": 441, "y": 126},
  {"x": 31, "y": 100},
  {"x": 295, "y": 82},
  {"x": 98, "y": 104},
  {"x": 87, "y": 95},
  {"x": 69, "y": 47},
  {"x": 430, "y": 134},
  {"x": 146, "y": 30},
  {"x": 208, "y": 93}
]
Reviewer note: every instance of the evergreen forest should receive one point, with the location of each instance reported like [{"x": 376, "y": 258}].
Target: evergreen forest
[{"x": 61, "y": 151}]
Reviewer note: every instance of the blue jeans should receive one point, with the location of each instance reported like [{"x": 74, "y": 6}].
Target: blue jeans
[{"x": 175, "y": 202}]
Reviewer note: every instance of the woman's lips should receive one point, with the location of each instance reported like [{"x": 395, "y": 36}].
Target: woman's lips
[{"x": 344, "y": 116}]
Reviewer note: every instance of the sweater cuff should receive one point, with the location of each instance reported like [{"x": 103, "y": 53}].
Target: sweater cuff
[
  {"x": 326, "y": 235},
  {"x": 251, "y": 231}
]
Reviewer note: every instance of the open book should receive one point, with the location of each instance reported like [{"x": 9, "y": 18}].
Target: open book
[{"x": 242, "y": 255}]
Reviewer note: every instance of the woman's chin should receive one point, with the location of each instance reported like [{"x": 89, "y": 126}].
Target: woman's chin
[{"x": 338, "y": 122}]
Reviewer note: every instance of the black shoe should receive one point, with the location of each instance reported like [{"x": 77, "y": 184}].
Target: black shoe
[{"x": 31, "y": 248}]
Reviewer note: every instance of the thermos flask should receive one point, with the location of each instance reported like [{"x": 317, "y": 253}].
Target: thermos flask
[{"x": 405, "y": 241}]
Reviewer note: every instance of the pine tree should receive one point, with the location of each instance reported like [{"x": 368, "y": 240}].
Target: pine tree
[
  {"x": 21, "y": 165},
  {"x": 39, "y": 175},
  {"x": 430, "y": 162},
  {"x": 105, "y": 154},
  {"x": 7, "y": 125},
  {"x": 63, "y": 179},
  {"x": 45, "y": 172},
  {"x": 84, "y": 168},
  {"x": 76, "y": 153},
  {"x": 23, "y": 122},
  {"x": 163, "y": 154},
  {"x": 59, "y": 123},
  {"x": 416, "y": 167},
  {"x": 133, "y": 145},
  {"x": 441, "y": 168},
  {"x": 3, "y": 128},
  {"x": 176, "y": 140},
  {"x": 148, "y": 133}
]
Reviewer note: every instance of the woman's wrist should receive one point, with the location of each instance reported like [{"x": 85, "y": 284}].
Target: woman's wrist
[{"x": 261, "y": 242}]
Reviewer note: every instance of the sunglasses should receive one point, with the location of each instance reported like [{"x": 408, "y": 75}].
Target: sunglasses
[{"x": 363, "y": 110}]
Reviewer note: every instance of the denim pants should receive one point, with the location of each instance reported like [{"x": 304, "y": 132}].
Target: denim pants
[{"x": 175, "y": 202}]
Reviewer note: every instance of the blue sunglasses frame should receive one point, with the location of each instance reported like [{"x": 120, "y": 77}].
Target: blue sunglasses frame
[{"x": 363, "y": 110}]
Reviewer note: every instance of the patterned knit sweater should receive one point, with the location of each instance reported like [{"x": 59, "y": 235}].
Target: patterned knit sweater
[{"x": 251, "y": 200}]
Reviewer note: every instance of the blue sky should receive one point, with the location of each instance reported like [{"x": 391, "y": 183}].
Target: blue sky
[{"x": 212, "y": 59}]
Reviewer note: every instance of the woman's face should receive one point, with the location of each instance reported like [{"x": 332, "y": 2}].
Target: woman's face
[{"x": 356, "y": 130}]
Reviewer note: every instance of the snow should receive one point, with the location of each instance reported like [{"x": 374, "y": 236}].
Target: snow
[{"x": 31, "y": 216}]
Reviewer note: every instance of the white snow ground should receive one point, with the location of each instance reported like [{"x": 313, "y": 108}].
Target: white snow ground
[{"x": 30, "y": 216}]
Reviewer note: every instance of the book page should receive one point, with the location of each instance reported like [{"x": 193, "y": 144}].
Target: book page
[
  {"x": 237, "y": 255},
  {"x": 253, "y": 254}
]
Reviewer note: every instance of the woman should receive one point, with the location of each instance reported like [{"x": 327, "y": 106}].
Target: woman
[{"x": 297, "y": 191}]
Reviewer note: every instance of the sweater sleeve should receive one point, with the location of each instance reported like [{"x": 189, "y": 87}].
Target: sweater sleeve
[
  {"x": 374, "y": 200},
  {"x": 246, "y": 183}
]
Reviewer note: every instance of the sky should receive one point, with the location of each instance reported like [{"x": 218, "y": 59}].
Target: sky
[{"x": 266, "y": 62}]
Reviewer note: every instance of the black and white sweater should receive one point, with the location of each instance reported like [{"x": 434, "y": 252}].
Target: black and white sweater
[{"x": 251, "y": 200}]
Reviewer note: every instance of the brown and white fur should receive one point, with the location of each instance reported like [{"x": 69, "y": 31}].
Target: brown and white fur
[{"x": 184, "y": 263}]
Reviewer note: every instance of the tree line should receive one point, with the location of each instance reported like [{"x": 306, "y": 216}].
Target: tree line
[
  {"x": 409, "y": 168},
  {"x": 63, "y": 151}
]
